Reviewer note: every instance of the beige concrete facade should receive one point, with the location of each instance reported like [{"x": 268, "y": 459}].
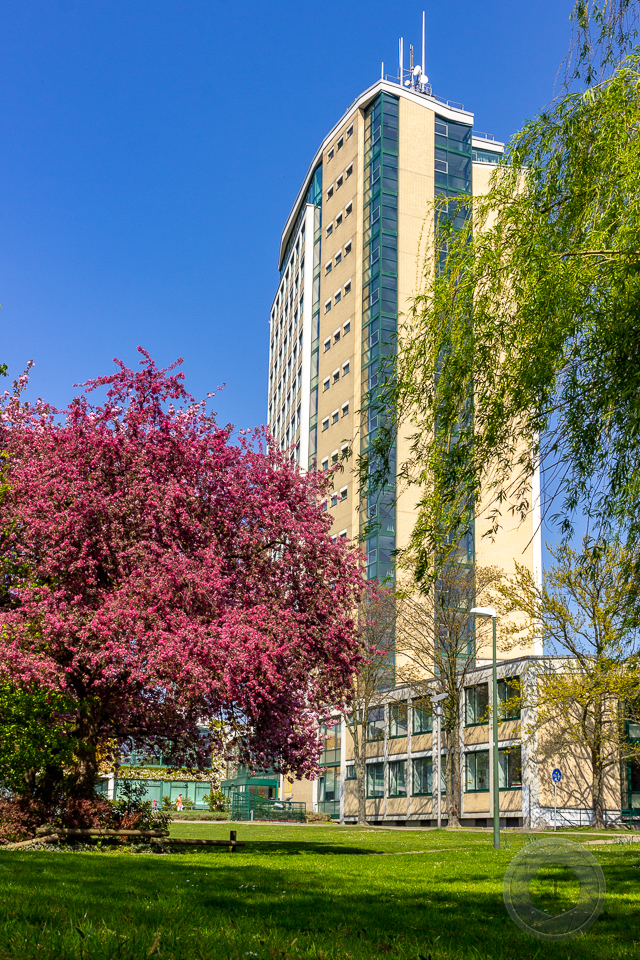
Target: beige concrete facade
[{"x": 316, "y": 389}]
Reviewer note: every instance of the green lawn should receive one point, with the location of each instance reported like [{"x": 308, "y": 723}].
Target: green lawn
[{"x": 296, "y": 892}]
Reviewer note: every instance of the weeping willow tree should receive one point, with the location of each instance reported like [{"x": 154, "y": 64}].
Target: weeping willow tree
[{"x": 530, "y": 312}]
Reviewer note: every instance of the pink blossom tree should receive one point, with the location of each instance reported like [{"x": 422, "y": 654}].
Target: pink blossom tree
[{"x": 159, "y": 574}]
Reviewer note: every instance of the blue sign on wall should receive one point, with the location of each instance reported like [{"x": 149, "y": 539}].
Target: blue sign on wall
[{"x": 556, "y": 776}]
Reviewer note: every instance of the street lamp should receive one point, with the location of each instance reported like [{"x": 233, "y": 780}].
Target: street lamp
[
  {"x": 436, "y": 700},
  {"x": 491, "y": 612}
]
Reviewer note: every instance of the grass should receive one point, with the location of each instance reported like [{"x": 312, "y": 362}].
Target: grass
[{"x": 296, "y": 893}]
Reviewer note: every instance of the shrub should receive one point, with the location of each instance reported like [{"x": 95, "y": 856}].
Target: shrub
[
  {"x": 318, "y": 817},
  {"x": 132, "y": 812},
  {"x": 19, "y": 818},
  {"x": 217, "y": 801},
  {"x": 167, "y": 804}
]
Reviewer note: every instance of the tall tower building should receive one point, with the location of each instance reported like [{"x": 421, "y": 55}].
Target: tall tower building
[{"x": 349, "y": 265}]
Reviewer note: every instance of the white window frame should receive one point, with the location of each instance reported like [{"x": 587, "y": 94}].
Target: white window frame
[
  {"x": 327, "y": 305},
  {"x": 347, "y": 248},
  {"x": 326, "y": 384},
  {"x": 325, "y": 424},
  {"x": 343, "y": 493},
  {"x": 345, "y": 368},
  {"x": 346, "y": 327},
  {"x": 335, "y": 376},
  {"x": 349, "y": 208},
  {"x": 345, "y": 409},
  {"x": 347, "y": 288},
  {"x": 335, "y": 415}
]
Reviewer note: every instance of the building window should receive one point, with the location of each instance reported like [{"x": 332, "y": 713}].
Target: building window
[
  {"x": 325, "y": 385},
  {"x": 345, "y": 450},
  {"x": 340, "y": 143},
  {"x": 421, "y": 716},
  {"x": 349, "y": 208},
  {"x": 339, "y": 182},
  {"x": 335, "y": 416},
  {"x": 350, "y": 773},
  {"x": 329, "y": 229},
  {"x": 327, "y": 306},
  {"x": 442, "y": 129},
  {"x": 349, "y": 131},
  {"x": 375, "y": 780},
  {"x": 509, "y": 698},
  {"x": 347, "y": 248},
  {"x": 328, "y": 267},
  {"x": 330, "y": 154},
  {"x": 338, "y": 257},
  {"x": 349, "y": 170},
  {"x": 334, "y": 499},
  {"x": 510, "y": 768},
  {"x": 334, "y": 457},
  {"x": 343, "y": 493},
  {"x": 336, "y": 335},
  {"x": 337, "y": 296},
  {"x": 345, "y": 369},
  {"x": 325, "y": 424},
  {"x": 346, "y": 327},
  {"x": 375, "y": 723},
  {"x": 398, "y": 713},
  {"x": 336, "y": 376},
  {"x": 343, "y": 534},
  {"x": 398, "y": 778},
  {"x": 329, "y": 193},
  {"x": 327, "y": 344},
  {"x": 477, "y": 704},
  {"x": 325, "y": 463},
  {"x": 324, "y": 505},
  {"x": 338, "y": 220},
  {"x": 345, "y": 409},
  {"x": 422, "y": 777},
  {"x": 347, "y": 287},
  {"x": 477, "y": 772}
]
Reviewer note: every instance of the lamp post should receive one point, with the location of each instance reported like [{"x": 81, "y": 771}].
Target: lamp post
[
  {"x": 436, "y": 700},
  {"x": 491, "y": 612}
]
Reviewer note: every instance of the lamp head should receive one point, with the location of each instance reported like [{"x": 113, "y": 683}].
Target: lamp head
[{"x": 483, "y": 612}]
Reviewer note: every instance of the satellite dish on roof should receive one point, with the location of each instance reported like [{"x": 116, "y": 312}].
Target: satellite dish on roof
[
  {"x": 407, "y": 83},
  {"x": 417, "y": 71},
  {"x": 424, "y": 78}
]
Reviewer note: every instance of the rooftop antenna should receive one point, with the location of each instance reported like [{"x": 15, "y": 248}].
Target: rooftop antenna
[
  {"x": 382, "y": 71},
  {"x": 422, "y": 64},
  {"x": 401, "y": 54}
]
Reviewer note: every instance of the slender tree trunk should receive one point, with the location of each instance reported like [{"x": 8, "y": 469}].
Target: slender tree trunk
[
  {"x": 453, "y": 777},
  {"x": 362, "y": 792},
  {"x": 597, "y": 767}
]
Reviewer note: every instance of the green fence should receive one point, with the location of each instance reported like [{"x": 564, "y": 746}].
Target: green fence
[{"x": 250, "y": 806}]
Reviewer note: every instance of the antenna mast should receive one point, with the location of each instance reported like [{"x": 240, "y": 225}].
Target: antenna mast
[{"x": 423, "y": 65}]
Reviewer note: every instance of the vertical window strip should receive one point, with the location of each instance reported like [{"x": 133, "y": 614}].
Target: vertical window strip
[{"x": 380, "y": 302}]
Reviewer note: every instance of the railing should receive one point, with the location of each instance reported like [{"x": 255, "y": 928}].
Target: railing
[
  {"x": 251, "y": 806},
  {"x": 484, "y": 136}
]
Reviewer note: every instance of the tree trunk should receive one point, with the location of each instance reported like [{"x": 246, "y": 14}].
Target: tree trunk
[
  {"x": 597, "y": 771},
  {"x": 453, "y": 777},
  {"x": 362, "y": 788},
  {"x": 597, "y": 788},
  {"x": 83, "y": 781}
]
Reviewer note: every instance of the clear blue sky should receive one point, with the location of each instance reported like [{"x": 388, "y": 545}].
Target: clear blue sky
[{"x": 151, "y": 151}]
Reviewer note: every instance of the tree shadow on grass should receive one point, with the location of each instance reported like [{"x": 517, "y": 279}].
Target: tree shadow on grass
[{"x": 230, "y": 906}]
